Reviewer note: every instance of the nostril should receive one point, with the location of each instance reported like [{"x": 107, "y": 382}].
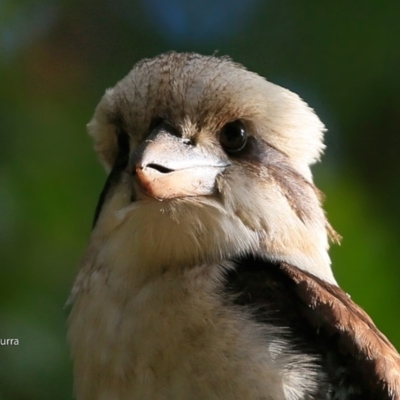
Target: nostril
[{"x": 159, "y": 168}]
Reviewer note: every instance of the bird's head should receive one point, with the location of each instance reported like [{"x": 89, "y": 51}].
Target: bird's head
[{"x": 207, "y": 161}]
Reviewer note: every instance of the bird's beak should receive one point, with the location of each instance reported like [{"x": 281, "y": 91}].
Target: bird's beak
[{"x": 167, "y": 166}]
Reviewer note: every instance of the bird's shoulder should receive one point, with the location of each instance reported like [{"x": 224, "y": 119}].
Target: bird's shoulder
[{"x": 321, "y": 318}]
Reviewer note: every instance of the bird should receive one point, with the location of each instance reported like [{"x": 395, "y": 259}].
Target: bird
[{"x": 207, "y": 273}]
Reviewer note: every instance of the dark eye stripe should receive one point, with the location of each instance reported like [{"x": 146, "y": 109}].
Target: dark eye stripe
[{"x": 113, "y": 178}]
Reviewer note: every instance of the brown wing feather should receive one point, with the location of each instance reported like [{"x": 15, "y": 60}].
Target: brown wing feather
[{"x": 331, "y": 311}]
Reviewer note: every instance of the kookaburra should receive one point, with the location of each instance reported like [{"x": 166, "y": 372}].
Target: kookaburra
[{"x": 207, "y": 274}]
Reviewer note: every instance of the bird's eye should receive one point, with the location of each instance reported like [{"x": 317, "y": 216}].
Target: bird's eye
[
  {"x": 156, "y": 121},
  {"x": 233, "y": 137}
]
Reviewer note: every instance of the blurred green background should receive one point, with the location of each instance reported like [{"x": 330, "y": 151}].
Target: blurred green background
[{"x": 57, "y": 58}]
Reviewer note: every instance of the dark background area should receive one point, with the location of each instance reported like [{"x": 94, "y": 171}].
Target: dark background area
[{"x": 56, "y": 60}]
